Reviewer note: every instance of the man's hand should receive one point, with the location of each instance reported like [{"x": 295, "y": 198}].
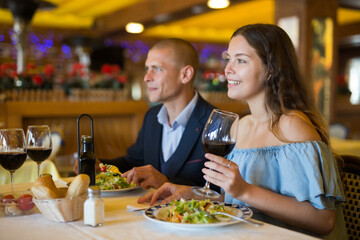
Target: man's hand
[
  {"x": 76, "y": 166},
  {"x": 146, "y": 177}
]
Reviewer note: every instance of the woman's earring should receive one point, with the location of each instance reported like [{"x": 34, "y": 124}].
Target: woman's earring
[{"x": 269, "y": 77}]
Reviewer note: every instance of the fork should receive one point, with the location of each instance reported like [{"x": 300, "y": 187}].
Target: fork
[{"x": 249, "y": 220}]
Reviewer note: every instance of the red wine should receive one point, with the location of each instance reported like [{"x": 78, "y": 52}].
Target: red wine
[
  {"x": 218, "y": 148},
  {"x": 12, "y": 160},
  {"x": 39, "y": 154}
]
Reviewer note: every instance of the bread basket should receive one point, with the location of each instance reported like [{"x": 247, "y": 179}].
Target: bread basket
[{"x": 61, "y": 209}]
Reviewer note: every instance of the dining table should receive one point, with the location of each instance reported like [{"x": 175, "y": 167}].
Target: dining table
[{"x": 121, "y": 223}]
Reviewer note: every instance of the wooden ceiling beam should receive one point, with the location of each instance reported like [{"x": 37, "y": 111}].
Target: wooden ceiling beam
[{"x": 142, "y": 12}]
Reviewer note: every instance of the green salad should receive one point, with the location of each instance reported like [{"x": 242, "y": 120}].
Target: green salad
[
  {"x": 193, "y": 211},
  {"x": 111, "y": 181}
]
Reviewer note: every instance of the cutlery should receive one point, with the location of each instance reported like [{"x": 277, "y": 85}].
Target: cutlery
[
  {"x": 140, "y": 209},
  {"x": 249, "y": 220}
]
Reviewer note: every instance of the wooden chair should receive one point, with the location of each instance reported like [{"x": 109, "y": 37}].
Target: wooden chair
[{"x": 351, "y": 173}]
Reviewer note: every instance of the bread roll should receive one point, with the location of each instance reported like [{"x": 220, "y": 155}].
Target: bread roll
[
  {"x": 43, "y": 192},
  {"x": 44, "y": 188},
  {"x": 78, "y": 186}
]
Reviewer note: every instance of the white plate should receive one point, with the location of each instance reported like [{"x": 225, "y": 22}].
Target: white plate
[
  {"x": 157, "y": 214},
  {"x": 120, "y": 190}
]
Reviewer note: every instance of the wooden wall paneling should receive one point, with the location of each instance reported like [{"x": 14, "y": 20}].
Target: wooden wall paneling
[
  {"x": 2, "y": 115},
  {"x": 116, "y": 124}
]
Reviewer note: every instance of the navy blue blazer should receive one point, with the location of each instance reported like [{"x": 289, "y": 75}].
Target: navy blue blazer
[{"x": 184, "y": 166}]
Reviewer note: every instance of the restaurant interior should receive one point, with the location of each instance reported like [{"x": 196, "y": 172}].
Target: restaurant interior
[{"x": 63, "y": 58}]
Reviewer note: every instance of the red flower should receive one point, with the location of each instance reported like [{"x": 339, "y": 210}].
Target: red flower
[
  {"x": 106, "y": 69},
  {"x": 77, "y": 66},
  {"x": 110, "y": 69},
  {"x": 13, "y": 66},
  {"x": 30, "y": 66},
  {"x": 115, "y": 69},
  {"x": 4, "y": 67},
  {"x": 13, "y": 74},
  {"x": 49, "y": 70},
  {"x": 37, "y": 80},
  {"x": 121, "y": 79}
]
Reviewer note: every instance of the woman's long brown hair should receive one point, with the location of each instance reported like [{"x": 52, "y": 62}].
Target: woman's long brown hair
[{"x": 285, "y": 89}]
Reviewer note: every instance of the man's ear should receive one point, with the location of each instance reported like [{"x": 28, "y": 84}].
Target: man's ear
[{"x": 186, "y": 74}]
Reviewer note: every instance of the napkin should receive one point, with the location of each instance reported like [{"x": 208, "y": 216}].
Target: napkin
[{"x": 137, "y": 207}]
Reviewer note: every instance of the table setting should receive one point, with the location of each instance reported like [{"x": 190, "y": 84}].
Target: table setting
[
  {"x": 105, "y": 206},
  {"x": 124, "y": 217}
]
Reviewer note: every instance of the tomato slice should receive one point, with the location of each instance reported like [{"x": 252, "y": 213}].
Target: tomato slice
[{"x": 7, "y": 198}]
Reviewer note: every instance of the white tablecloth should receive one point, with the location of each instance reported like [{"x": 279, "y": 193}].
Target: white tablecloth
[{"x": 122, "y": 224}]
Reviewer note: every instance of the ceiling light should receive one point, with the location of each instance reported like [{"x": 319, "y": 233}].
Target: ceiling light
[
  {"x": 132, "y": 27},
  {"x": 218, "y": 4}
]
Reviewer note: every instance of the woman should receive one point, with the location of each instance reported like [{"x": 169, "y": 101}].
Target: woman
[{"x": 282, "y": 165}]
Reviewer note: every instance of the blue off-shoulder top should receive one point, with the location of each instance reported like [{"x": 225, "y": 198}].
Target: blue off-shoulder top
[{"x": 306, "y": 171}]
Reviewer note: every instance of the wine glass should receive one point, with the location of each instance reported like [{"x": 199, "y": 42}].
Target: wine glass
[
  {"x": 38, "y": 141},
  {"x": 218, "y": 138},
  {"x": 12, "y": 150}
]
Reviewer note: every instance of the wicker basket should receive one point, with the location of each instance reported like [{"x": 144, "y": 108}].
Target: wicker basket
[{"x": 61, "y": 209}]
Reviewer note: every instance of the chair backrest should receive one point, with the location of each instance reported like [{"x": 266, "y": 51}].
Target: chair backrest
[{"x": 351, "y": 172}]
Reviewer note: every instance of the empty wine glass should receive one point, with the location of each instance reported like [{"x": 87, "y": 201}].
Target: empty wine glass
[
  {"x": 38, "y": 142},
  {"x": 12, "y": 150},
  {"x": 218, "y": 138}
]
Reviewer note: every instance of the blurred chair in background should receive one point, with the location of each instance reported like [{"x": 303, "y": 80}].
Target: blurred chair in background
[{"x": 351, "y": 178}]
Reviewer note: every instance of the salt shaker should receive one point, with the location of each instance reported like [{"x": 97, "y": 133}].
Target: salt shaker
[{"x": 94, "y": 209}]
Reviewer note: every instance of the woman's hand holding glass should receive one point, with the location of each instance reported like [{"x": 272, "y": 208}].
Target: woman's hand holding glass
[
  {"x": 226, "y": 175},
  {"x": 219, "y": 137}
]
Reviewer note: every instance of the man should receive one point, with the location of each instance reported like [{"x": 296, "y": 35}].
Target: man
[{"x": 169, "y": 147}]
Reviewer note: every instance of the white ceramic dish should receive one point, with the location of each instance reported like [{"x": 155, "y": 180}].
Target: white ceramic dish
[
  {"x": 121, "y": 190},
  {"x": 157, "y": 214}
]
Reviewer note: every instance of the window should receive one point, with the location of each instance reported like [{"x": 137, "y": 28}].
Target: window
[{"x": 354, "y": 80}]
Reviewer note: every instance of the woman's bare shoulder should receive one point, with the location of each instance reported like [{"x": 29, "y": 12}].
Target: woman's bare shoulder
[
  {"x": 245, "y": 120},
  {"x": 297, "y": 127}
]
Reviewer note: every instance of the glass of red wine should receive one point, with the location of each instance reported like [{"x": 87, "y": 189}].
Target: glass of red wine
[
  {"x": 38, "y": 142},
  {"x": 218, "y": 138},
  {"x": 12, "y": 150}
]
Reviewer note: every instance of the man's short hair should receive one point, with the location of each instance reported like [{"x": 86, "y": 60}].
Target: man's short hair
[{"x": 184, "y": 52}]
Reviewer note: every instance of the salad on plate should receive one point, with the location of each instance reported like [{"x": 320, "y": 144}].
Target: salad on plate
[
  {"x": 193, "y": 211},
  {"x": 110, "y": 178}
]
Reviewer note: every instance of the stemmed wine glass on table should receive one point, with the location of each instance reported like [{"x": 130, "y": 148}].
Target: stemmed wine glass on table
[
  {"x": 218, "y": 137},
  {"x": 39, "y": 145},
  {"x": 12, "y": 150}
]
